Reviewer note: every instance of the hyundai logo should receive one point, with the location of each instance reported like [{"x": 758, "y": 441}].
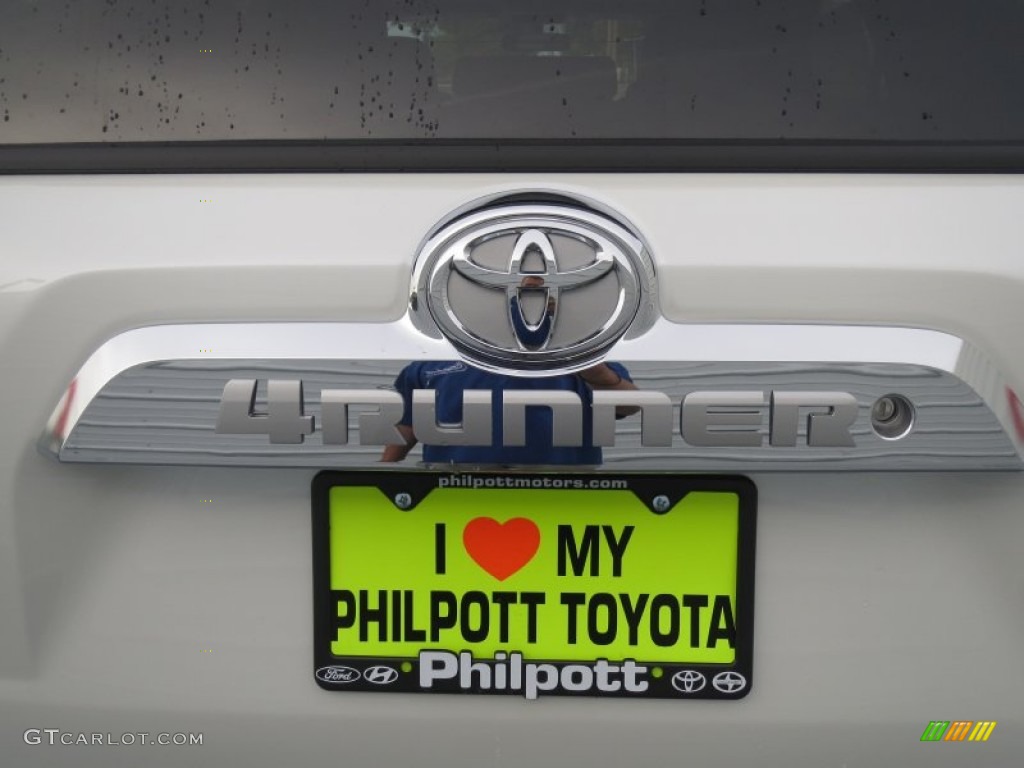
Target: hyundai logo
[{"x": 380, "y": 675}]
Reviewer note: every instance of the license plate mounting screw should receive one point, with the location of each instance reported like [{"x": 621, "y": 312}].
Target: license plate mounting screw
[
  {"x": 661, "y": 503},
  {"x": 403, "y": 500}
]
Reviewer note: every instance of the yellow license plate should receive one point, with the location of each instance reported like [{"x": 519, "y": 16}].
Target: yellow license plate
[{"x": 534, "y": 584}]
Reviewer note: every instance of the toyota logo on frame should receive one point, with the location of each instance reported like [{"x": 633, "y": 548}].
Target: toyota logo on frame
[{"x": 689, "y": 681}]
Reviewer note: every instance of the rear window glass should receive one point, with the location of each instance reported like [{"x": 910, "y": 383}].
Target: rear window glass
[{"x": 155, "y": 70}]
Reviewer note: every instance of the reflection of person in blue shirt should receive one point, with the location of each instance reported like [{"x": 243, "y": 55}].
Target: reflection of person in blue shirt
[
  {"x": 449, "y": 379},
  {"x": 532, "y": 335}
]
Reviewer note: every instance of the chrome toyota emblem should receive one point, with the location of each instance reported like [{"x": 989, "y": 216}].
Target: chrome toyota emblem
[
  {"x": 533, "y": 289},
  {"x": 518, "y": 283}
]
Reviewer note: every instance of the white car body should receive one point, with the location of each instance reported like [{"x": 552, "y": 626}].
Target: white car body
[{"x": 178, "y": 599}]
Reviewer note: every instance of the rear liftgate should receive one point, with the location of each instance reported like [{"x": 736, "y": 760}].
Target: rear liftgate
[{"x": 625, "y": 574}]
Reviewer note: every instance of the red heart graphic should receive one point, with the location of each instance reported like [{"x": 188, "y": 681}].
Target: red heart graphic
[{"x": 501, "y": 549}]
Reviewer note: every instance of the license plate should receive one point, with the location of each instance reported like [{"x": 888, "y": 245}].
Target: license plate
[{"x": 630, "y": 585}]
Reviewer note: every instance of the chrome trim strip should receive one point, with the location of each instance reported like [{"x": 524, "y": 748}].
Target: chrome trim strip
[{"x": 151, "y": 395}]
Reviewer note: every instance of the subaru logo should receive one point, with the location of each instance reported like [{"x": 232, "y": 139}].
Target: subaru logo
[
  {"x": 533, "y": 289},
  {"x": 380, "y": 675},
  {"x": 689, "y": 681},
  {"x": 337, "y": 674},
  {"x": 729, "y": 682}
]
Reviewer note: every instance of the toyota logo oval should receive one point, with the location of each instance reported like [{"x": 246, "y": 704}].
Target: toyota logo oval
[
  {"x": 689, "y": 681},
  {"x": 534, "y": 289}
]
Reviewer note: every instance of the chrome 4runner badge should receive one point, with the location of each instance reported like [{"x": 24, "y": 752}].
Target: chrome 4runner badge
[
  {"x": 534, "y": 584},
  {"x": 722, "y": 419}
]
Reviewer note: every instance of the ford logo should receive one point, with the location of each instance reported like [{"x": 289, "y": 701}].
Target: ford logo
[{"x": 339, "y": 675}]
